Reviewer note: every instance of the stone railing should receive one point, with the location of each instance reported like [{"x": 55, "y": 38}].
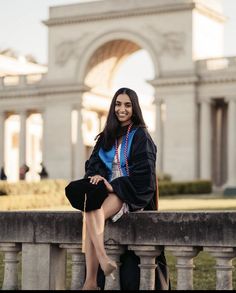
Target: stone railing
[
  {"x": 214, "y": 64},
  {"x": 21, "y": 80},
  {"x": 43, "y": 240}
]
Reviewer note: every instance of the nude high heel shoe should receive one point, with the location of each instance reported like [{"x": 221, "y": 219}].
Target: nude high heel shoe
[{"x": 109, "y": 268}]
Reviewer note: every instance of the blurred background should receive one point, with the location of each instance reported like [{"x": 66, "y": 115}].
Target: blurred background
[{"x": 26, "y": 34}]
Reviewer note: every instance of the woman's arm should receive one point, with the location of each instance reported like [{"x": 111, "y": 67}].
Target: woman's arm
[{"x": 94, "y": 165}]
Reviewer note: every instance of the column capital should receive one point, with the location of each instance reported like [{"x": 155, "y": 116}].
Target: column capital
[
  {"x": 157, "y": 101},
  {"x": 205, "y": 100},
  {"x": 23, "y": 113},
  {"x": 72, "y": 248},
  {"x": 184, "y": 251},
  {"x": 228, "y": 252},
  {"x": 230, "y": 99},
  {"x": 10, "y": 247},
  {"x": 146, "y": 250}
]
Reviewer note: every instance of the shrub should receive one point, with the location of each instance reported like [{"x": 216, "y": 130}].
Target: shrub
[
  {"x": 47, "y": 186},
  {"x": 188, "y": 187}
]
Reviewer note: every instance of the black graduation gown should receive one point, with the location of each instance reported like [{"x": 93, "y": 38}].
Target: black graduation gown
[{"x": 138, "y": 190}]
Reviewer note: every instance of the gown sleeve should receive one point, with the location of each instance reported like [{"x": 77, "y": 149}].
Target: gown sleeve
[
  {"x": 138, "y": 189},
  {"x": 94, "y": 165}
]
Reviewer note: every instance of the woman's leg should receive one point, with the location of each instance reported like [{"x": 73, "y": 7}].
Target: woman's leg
[
  {"x": 91, "y": 264},
  {"x": 95, "y": 225}
]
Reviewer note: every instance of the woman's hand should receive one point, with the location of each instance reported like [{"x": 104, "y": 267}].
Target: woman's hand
[
  {"x": 108, "y": 185},
  {"x": 96, "y": 178}
]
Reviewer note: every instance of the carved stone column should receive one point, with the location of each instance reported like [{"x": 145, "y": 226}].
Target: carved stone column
[
  {"x": 184, "y": 265},
  {"x": 2, "y": 138},
  {"x": 1, "y": 81},
  {"x": 10, "y": 280},
  {"x": 22, "y": 151},
  {"x": 223, "y": 256},
  {"x": 147, "y": 254},
  {"x": 44, "y": 152},
  {"x": 114, "y": 251},
  {"x": 78, "y": 265},
  {"x": 159, "y": 133},
  {"x": 205, "y": 140},
  {"x": 231, "y": 183},
  {"x": 80, "y": 156}
]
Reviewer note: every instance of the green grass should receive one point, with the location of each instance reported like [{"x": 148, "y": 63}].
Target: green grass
[{"x": 204, "y": 275}]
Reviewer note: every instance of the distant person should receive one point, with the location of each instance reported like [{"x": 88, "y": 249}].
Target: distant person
[
  {"x": 23, "y": 170},
  {"x": 43, "y": 173},
  {"x": 3, "y": 175}
]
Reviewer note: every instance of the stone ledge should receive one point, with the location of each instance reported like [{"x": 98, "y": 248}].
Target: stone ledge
[{"x": 210, "y": 228}]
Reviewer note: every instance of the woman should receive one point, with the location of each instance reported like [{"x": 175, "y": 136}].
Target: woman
[{"x": 124, "y": 158}]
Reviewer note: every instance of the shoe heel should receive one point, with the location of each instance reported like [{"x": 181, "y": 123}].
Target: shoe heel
[{"x": 113, "y": 277}]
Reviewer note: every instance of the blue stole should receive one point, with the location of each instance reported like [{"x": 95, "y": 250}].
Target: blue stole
[{"x": 108, "y": 156}]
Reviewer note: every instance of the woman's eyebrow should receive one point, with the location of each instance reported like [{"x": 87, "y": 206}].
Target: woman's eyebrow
[{"x": 123, "y": 102}]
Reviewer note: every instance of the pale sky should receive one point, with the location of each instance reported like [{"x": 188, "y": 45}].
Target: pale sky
[{"x": 21, "y": 27}]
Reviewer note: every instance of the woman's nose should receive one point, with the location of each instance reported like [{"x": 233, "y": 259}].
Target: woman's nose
[{"x": 122, "y": 108}]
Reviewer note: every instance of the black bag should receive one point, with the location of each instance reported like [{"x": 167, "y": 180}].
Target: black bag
[{"x": 95, "y": 194}]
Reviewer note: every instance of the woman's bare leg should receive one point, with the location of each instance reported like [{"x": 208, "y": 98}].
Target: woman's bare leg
[
  {"x": 95, "y": 224},
  {"x": 91, "y": 264}
]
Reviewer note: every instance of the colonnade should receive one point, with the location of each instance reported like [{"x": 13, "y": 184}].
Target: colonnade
[
  {"x": 22, "y": 136},
  {"x": 206, "y": 139}
]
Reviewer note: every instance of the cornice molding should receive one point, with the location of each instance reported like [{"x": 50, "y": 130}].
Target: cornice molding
[
  {"x": 132, "y": 12},
  {"x": 41, "y": 90},
  {"x": 174, "y": 81},
  {"x": 194, "y": 79},
  {"x": 119, "y": 14},
  {"x": 217, "y": 79},
  {"x": 210, "y": 12}
]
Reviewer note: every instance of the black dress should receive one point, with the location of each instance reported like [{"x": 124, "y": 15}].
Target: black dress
[{"x": 138, "y": 190}]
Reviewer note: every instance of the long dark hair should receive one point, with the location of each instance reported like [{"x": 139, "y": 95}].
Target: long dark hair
[{"x": 112, "y": 128}]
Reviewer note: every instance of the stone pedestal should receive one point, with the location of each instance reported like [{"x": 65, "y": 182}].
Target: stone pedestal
[
  {"x": 43, "y": 267},
  {"x": 10, "y": 280}
]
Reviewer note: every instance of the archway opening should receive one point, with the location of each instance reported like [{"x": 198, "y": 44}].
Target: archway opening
[{"x": 117, "y": 63}]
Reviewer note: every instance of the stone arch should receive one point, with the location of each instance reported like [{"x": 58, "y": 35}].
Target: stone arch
[{"x": 100, "y": 40}]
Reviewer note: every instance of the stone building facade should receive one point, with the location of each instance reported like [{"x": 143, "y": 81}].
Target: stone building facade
[{"x": 194, "y": 86}]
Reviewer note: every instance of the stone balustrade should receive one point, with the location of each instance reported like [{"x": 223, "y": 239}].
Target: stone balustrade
[
  {"x": 20, "y": 80},
  {"x": 213, "y": 64},
  {"x": 43, "y": 240}
]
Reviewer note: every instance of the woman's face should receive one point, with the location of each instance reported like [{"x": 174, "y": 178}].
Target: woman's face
[{"x": 123, "y": 109}]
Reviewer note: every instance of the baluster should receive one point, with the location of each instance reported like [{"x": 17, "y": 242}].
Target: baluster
[
  {"x": 223, "y": 256},
  {"x": 43, "y": 266},
  {"x": 184, "y": 265},
  {"x": 114, "y": 251},
  {"x": 147, "y": 254},
  {"x": 77, "y": 265},
  {"x": 11, "y": 250}
]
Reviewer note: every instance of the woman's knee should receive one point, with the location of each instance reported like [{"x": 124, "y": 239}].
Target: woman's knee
[{"x": 111, "y": 205}]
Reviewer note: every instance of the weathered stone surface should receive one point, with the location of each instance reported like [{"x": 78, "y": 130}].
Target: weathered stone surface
[{"x": 210, "y": 228}]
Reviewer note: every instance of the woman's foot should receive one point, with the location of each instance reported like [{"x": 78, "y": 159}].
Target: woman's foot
[
  {"x": 90, "y": 287},
  {"x": 109, "y": 267}
]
